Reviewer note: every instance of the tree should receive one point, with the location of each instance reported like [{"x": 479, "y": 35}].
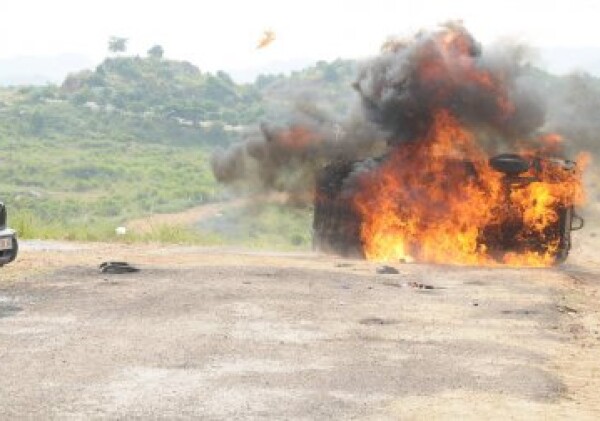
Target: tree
[
  {"x": 156, "y": 52},
  {"x": 225, "y": 77},
  {"x": 117, "y": 44}
]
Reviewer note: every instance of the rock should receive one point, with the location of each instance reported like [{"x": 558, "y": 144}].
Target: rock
[
  {"x": 117, "y": 267},
  {"x": 387, "y": 270},
  {"x": 121, "y": 230}
]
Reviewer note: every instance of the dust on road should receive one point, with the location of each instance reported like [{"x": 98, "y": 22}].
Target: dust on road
[{"x": 223, "y": 334}]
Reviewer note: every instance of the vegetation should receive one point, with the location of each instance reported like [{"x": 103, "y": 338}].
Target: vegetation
[
  {"x": 117, "y": 44},
  {"x": 132, "y": 138},
  {"x": 156, "y": 52}
]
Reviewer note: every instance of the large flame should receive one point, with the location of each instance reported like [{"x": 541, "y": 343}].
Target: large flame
[
  {"x": 437, "y": 200},
  {"x": 435, "y": 197}
]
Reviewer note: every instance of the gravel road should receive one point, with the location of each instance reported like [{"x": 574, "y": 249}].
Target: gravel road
[{"x": 225, "y": 334}]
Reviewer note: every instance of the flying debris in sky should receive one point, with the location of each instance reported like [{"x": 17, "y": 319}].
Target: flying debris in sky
[{"x": 266, "y": 40}]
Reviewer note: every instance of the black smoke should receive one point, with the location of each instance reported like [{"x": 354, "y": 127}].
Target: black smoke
[
  {"x": 286, "y": 158},
  {"x": 491, "y": 91},
  {"x": 410, "y": 80}
]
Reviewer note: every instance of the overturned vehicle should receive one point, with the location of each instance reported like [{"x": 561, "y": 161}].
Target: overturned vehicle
[
  {"x": 473, "y": 172},
  {"x": 528, "y": 221},
  {"x": 8, "y": 239}
]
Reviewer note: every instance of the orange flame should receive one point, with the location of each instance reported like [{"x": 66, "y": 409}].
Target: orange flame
[{"x": 436, "y": 199}]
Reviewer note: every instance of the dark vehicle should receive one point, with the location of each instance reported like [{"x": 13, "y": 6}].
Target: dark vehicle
[
  {"x": 8, "y": 240},
  {"x": 336, "y": 225}
]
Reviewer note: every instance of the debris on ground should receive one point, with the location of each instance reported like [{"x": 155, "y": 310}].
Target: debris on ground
[
  {"x": 525, "y": 312},
  {"x": 386, "y": 270},
  {"x": 343, "y": 265},
  {"x": 117, "y": 267},
  {"x": 121, "y": 230},
  {"x": 412, "y": 284},
  {"x": 419, "y": 285},
  {"x": 566, "y": 309},
  {"x": 377, "y": 321}
]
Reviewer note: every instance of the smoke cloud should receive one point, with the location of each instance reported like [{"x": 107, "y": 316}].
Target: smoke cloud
[
  {"x": 287, "y": 158},
  {"x": 447, "y": 69},
  {"x": 494, "y": 91}
]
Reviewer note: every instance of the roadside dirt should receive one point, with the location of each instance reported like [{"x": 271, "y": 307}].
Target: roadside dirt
[{"x": 228, "y": 334}]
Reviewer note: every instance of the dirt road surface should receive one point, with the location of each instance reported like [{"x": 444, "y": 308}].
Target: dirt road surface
[{"x": 227, "y": 334}]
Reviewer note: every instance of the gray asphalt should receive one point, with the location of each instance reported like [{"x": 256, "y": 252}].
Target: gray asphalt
[{"x": 236, "y": 341}]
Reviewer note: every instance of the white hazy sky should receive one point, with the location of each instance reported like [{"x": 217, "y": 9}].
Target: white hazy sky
[{"x": 222, "y": 34}]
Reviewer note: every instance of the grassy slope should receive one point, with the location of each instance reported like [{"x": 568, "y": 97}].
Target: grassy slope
[
  {"x": 78, "y": 190},
  {"x": 109, "y": 145}
]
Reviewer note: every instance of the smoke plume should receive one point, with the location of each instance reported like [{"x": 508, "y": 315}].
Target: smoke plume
[
  {"x": 287, "y": 158},
  {"x": 493, "y": 91},
  {"x": 447, "y": 69}
]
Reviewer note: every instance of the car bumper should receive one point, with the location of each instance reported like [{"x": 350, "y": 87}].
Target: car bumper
[{"x": 8, "y": 255}]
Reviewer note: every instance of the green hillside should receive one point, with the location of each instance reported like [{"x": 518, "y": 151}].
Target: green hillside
[{"x": 130, "y": 138}]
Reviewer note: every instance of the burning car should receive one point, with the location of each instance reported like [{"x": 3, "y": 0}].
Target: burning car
[
  {"x": 469, "y": 177},
  {"x": 514, "y": 230},
  {"x": 8, "y": 239},
  {"x": 451, "y": 158}
]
